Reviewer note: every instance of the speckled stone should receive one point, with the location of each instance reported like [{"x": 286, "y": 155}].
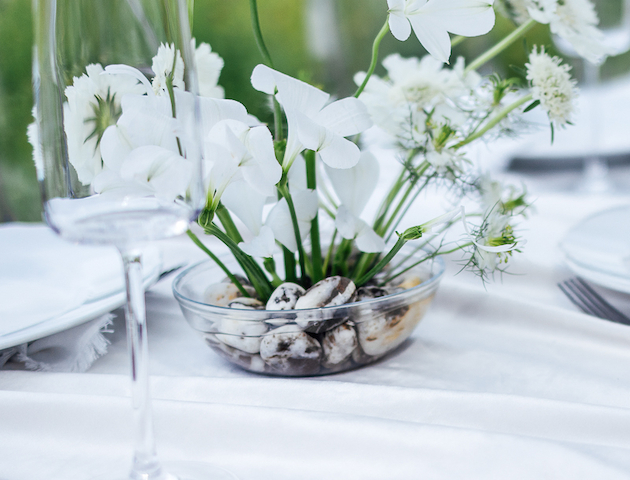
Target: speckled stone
[
  {"x": 248, "y": 361},
  {"x": 247, "y": 303},
  {"x": 289, "y": 351},
  {"x": 328, "y": 292},
  {"x": 370, "y": 292},
  {"x": 332, "y": 291},
  {"x": 338, "y": 345},
  {"x": 242, "y": 334},
  {"x": 221, "y": 294},
  {"x": 285, "y": 296}
]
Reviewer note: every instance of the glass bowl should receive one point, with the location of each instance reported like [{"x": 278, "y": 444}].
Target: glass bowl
[{"x": 315, "y": 341}]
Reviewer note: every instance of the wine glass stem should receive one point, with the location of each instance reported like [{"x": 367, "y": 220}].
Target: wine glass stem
[{"x": 145, "y": 463}]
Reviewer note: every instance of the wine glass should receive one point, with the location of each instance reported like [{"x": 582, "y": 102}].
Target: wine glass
[
  {"x": 615, "y": 24},
  {"x": 119, "y": 152}
]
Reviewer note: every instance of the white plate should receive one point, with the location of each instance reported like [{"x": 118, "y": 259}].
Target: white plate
[
  {"x": 598, "y": 248},
  {"x": 88, "y": 281}
]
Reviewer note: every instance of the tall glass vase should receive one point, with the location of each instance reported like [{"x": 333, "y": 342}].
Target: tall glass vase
[{"x": 119, "y": 152}]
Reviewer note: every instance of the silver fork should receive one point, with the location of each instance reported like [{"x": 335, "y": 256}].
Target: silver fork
[{"x": 591, "y": 302}]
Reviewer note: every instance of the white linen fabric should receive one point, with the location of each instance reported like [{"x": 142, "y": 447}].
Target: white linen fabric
[
  {"x": 73, "y": 350},
  {"x": 43, "y": 276},
  {"x": 506, "y": 380}
]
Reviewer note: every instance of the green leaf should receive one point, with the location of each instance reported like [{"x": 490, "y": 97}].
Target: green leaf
[{"x": 531, "y": 106}]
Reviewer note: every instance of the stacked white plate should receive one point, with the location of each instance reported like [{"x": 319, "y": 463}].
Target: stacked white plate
[
  {"x": 598, "y": 248},
  {"x": 48, "y": 285}
]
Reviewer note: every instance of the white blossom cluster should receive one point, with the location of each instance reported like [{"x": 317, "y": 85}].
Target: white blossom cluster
[
  {"x": 129, "y": 134},
  {"x": 552, "y": 86},
  {"x": 575, "y": 21}
]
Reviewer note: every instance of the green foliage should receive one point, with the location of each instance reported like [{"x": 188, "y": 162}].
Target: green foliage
[{"x": 19, "y": 194}]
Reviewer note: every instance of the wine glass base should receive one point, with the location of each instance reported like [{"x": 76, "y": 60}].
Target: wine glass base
[{"x": 178, "y": 471}]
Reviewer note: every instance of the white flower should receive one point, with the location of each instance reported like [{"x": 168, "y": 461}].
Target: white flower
[
  {"x": 168, "y": 62},
  {"x": 354, "y": 187},
  {"x": 552, "y": 85},
  {"x": 575, "y": 21},
  {"x": 279, "y": 218},
  {"x": 250, "y": 154},
  {"x": 149, "y": 170},
  {"x": 443, "y": 159},
  {"x": 209, "y": 66},
  {"x": 94, "y": 103},
  {"x": 413, "y": 87},
  {"x": 514, "y": 9},
  {"x": 432, "y": 21},
  {"x": 312, "y": 123}
]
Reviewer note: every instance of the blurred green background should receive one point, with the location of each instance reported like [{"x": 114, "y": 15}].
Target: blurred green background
[{"x": 296, "y": 36}]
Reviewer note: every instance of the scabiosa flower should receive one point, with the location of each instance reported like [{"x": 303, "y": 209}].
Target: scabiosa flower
[
  {"x": 574, "y": 21},
  {"x": 94, "y": 103},
  {"x": 552, "y": 86},
  {"x": 167, "y": 64}
]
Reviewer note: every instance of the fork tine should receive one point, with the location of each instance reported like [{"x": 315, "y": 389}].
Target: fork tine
[
  {"x": 586, "y": 295},
  {"x": 587, "y": 299},
  {"x": 603, "y": 304},
  {"x": 577, "y": 300}
]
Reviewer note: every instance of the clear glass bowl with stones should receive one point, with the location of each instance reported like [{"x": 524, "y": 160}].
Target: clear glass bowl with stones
[{"x": 312, "y": 341}]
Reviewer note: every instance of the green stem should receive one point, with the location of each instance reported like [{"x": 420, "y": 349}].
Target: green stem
[
  {"x": 221, "y": 265},
  {"x": 457, "y": 40},
  {"x": 495, "y": 120},
  {"x": 394, "y": 225},
  {"x": 316, "y": 250},
  {"x": 424, "y": 259},
  {"x": 227, "y": 222},
  {"x": 389, "y": 199},
  {"x": 253, "y": 9},
  {"x": 331, "y": 247},
  {"x": 499, "y": 47},
  {"x": 253, "y": 271},
  {"x": 289, "y": 265},
  {"x": 419, "y": 172},
  {"x": 384, "y": 261},
  {"x": 375, "y": 48},
  {"x": 340, "y": 262},
  {"x": 284, "y": 191}
]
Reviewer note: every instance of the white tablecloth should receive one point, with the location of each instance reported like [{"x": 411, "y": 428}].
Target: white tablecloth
[{"x": 506, "y": 381}]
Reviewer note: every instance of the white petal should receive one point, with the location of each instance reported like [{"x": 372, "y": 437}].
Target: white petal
[
  {"x": 346, "y": 223},
  {"x": 214, "y": 110},
  {"x": 165, "y": 172},
  {"x": 340, "y": 153},
  {"x": 260, "y": 144},
  {"x": 310, "y": 134},
  {"x": 368, "y": 241},
  {"x": 134, "y": 72},
  {"x": 222, "y": 171},
  {"x": 297, "y": 175},
  {"x": 114, "y": 147},
  {"x": 262, "y": 245},
  {"x": 462, "y": 17},
  {"x": 347, "y": 116},
  {"x": 246, "y": 204},
  {"x": 292, "y": 93},
  {"x": 398, "y": 23},
  {"x": 279, "y": 220},
  {"x": 306, "y": 203},
  {"x": 263, "y": 79},
  {"x": 433, "y": 36},
  {"x": 354, "y": 186}
]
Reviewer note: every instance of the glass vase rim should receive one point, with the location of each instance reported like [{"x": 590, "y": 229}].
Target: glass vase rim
[{"x": 251, "y": 314}]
